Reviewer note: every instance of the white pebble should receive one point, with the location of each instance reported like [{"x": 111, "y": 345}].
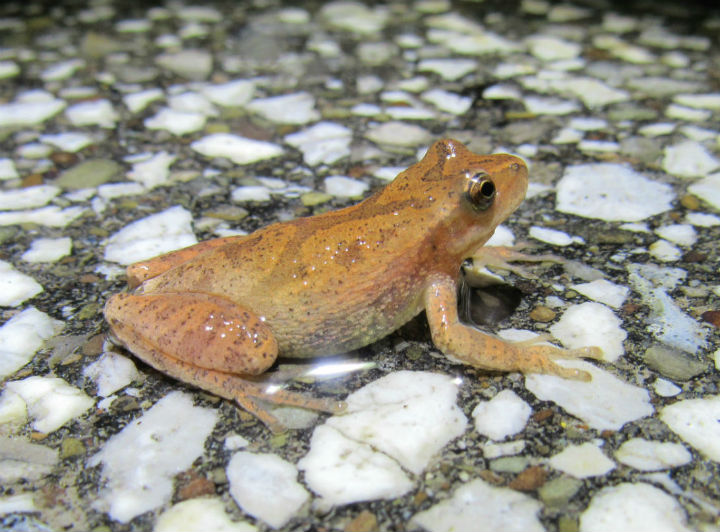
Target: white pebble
[
  {"x": 48, "y": 249},
  {"x": 699, "y": 101},
  {"x": 591, "y": 324},
  {"x": 582, "y": 461},
  {"x": 63, "y": 70},
  {"x": 603, "y": 291},
  {"x": 680, "y": 234},
  {"x": 552, "y": 48},
  {"x": 16, "y": 287},
  {"x": 664, "y": 251},
  {"x": 681, "y": 112},
  {"x": 701, "y": 219},
  {"x": 199, "y": 515},
  {"x": 27, "y": 113},
  {"x": 553, "y": 236},
  {"x": 398, "y": 134},
  {"x": 345, "y": 187},
  {"x": 251, "y": 193},
  {"x": 689, "y": 159},
  {"x": 297, "y": 108},
  {"x": 239, "y": 150},
  {"x": 605, "y": 402},
  {"x": 665, "y": 388},
  {"x": 7, "y": 169},
  {"x": 611, "y": 192},
  {"x": 636, "y": 506},
  {"x": 117, "y": 190},
  {"x": 70, "y": 141},
  {"x": 708, "y": 189},
  {"x": 27, "y": 198},
  {"x": 696, "y": 422},
  {"x": 8, "y": 69},
  {"x": 658, "y": 129},
  {"x": 234, "y": 93},
  {"x": 154, "y": 171},
  {"x": 176, "y": 122},
  {"x": 479, "y": 504},
  {"x": 448, "y": 69},
  {"x": 550, "y": 106},
  {"x": 646, "y": 455},
  {"x": 50, "y": 401},
  {"x": 323, "y": 143},
  {"x": 137, "y": 101},
  {"x": 504, "y": 415},
  {"x": 266, "y": 487},
  {"x": 111, "y": 372},
  {"x": 21, "y": 336},
  {"x": 93, "y": 113},
  {"x": 449, "y": 102},
  {"x": 150, "y": 236},
  {"x": 334, "y": 458},
  {"x": 140, "y": 462},
  {"x": 496, "y": 450},
  {"x": 51, "y": 216}
]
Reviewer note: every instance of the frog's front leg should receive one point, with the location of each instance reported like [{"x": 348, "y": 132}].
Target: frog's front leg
[
  {"x": 470, "y": 346},
  {"x": 207, "y": 341}
]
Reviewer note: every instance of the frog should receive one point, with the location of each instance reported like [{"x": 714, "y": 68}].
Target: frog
[{"x": 216, "y": 315}]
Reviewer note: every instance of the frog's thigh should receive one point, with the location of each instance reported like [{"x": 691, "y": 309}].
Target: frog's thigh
[
  {"x": 201, "y": 330},
  {"x": 470, "y": 346},
  {"x": 142, "y": 271}
]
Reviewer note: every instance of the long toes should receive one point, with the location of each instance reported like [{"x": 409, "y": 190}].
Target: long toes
[
  {"x": 571, "y": 373},
  {"x": 587, "y": 352}
]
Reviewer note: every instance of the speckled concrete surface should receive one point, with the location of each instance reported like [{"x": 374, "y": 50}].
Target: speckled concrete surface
[{"x": 126, "y": 132}]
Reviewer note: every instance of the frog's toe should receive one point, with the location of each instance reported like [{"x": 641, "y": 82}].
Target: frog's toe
[{"x": 593, "y": 352}]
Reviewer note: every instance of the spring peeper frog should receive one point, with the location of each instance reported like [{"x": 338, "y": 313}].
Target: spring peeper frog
[{"x": 218, "y": 313}]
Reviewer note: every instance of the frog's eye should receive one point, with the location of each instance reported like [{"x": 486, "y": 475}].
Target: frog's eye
[{"x": 481, "y": 191}]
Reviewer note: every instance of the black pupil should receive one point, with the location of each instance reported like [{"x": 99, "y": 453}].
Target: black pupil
[{"x": 487, "y": 189}]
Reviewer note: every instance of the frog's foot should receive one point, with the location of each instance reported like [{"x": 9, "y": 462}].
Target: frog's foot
[
  {"x": 473, "y": 347},
  {"x": 501, "y": 257},
  {"x": 555, "y": 352}
]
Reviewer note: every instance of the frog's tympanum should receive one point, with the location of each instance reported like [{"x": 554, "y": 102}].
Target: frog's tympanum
[{"x": 219, "y": 313}]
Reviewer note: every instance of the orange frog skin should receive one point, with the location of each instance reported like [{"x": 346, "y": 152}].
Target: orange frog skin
[{"x": 219, "y": 313}]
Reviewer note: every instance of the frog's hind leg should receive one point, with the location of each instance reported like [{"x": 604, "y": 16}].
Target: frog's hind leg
[{"x": 207, "y": 341}]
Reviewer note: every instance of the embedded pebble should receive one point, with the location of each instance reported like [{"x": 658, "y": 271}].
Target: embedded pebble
[
  {"x": 50, "y": 401},
  {"x": 701, "y": 219},
  {"x": 71, "y": 141},
  {"x": 448, "y": 69},
  {"x": 118, "y": 190},
  {"x": 552, "y": 48},
  {"x": 150, "y": 236},
  {"x": 251, "y": 193},
  {"x": 139, "y": 462},
  {"x": 95, "y": 113},
  {"x": 52, "y": 216},
  {"x": 297, "y": 108},
  {"x": 266, "y": 487},
  {"x": 355, "y": 17},
  {"x": 323, "y": 143},
  {"x": 239, "y": 150},
  {"x": 191, "y": 64},
  {"x": 553, "y": 236},
  {"x": 48, "y": 249},
  {"x": 682, "y": 112},
  {"x": 582, "y": 461},
  {"x": 646, "y": 455},
  {"x": 603, "y": 291},
  {"x": 633, "y": 506},
  {"x": 604, "y": 403},
  {"x": 591, "y": 324},
  {"x": 449, "y": 102},
  {"x": 708, "y": 189},
  {"x": 27, "y": 198},
  {"x": 176, "y": 122},
  {"x": 665, "y": 388},
  {"x": 7, "y": 169},
  {"x": 504, "y": 415},
  {"x": 111, "y": 372},
  {"x": 696, "y": 422},
  {"x": 334, "y": 457},
  {"x": 137, "y": 101},
  {"x": 199, "y": 515},
  {"x": 22, "y": 335},
  {"x": 15, "y": 504},
  {"x": 680, "y": 234},
  {"x": 689, "y": 159},
  {"x": 664, "y": 251},
  {"x": 549, "y": 106},
  {"x": 497, "y": 508},
  {"x": 153, "y": 171},
  {"x": 398, "y": 134},
  {"x": 22, "y": 460},
  {"x": 394, "y": 415},
  {"x": 16, "y": 287},
  {"x": 89, "y": 173},
  {"x": 30, "y": 112},
  {"x": 583, "y": 190},
  {"x": 345, "y": 187},
  {"x": 8, "y": 69},
  {"x": 667, "y": 322}
]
